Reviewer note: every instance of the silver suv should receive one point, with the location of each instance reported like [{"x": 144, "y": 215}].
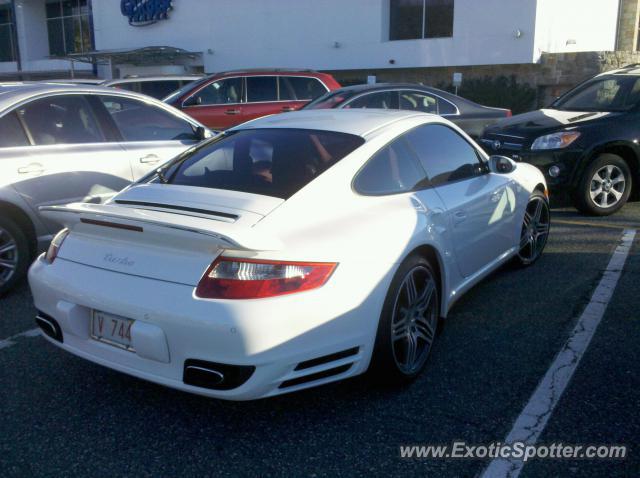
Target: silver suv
[{"x": 68, "y": 143}]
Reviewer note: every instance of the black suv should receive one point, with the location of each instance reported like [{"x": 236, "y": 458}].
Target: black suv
[{"x": 585, "y": 143}]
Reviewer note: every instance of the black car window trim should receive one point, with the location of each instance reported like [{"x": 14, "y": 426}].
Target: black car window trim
[
  {"x": 480, "y": 156},
  {"x": 161, "y": 107},
  {"x": 41, "y": 96},
  {"x": 425, "y": 183},
  {"x": 425, "y": 92}
]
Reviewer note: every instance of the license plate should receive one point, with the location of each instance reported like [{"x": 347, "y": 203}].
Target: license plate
[{"x": 111, "y": 329}]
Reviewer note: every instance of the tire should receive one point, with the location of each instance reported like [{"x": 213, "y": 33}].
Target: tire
[
  {"x": 14, "y": 254},
  {"x": 535, "y": 230},
  {"x": 401, "y": 333},
  {"x": 604, "y": 187}
]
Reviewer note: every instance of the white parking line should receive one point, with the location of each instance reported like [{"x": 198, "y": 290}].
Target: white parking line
[
  {"x": 535, "y": 415},
  {"x": 4, "y": 343}
]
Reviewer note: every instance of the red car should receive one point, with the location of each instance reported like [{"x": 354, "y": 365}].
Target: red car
[{"x": 223, "y": 100}]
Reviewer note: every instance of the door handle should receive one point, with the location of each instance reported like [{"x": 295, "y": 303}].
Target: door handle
[
  {"x": 459, "y": 216},
  {"x": 232, "y": 112},
  {"x": 33, "y": 168},
  {"x": 150, "y": 158},
  {"x": 286, "y": 109}
]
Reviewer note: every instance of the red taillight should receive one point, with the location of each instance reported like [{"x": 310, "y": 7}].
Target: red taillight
[
  {"x": 509, "y": 113},
  {"x": 233, "y": 278},
  {"x": 54, "y": 247}
]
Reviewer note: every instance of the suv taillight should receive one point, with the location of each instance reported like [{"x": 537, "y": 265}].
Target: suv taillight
[
  {"x": 235, "y": 278},
  {"x": 56, "y": 244}
]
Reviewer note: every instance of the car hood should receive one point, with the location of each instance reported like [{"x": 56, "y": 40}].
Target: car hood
[{"x": 546, "y": 120}]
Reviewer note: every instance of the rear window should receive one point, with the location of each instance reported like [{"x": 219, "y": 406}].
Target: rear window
[{"x": 271, "y": 162}]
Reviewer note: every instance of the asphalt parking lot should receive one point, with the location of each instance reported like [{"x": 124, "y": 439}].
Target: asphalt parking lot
[{"x": 64, "y": 416}]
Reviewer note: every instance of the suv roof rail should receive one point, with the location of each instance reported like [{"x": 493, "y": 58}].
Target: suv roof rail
[
  {"x": 630, "y": 65},
  {"x": 274, "y": 70}
]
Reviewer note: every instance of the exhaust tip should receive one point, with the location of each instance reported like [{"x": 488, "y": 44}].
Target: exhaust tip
[
  {"x": 215, "y": 376},
  {"x": 49, "y": 326}
]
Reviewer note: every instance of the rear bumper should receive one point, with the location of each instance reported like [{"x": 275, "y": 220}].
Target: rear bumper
[{"x": 273, "y": 335}]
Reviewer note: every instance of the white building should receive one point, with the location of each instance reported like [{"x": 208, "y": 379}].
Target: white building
[{"x": 334, "y": 35}]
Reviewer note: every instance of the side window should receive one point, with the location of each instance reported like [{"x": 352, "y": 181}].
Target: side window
[
  {"x": 262, "y": 88},
  {"x": 11, "y": 132},
  {"x": 140, "y": 121},
  {"x": 446, "y": 108},
  {"x": 220, "y": 92},
  {"x": 445, "y": 155},
  {"x": 384, "y": 99},
  {"x": 394, "y": 169},
  {"x": 65, "y": 119},
  {"x": 418, "y": 101},
  {"x": 300, "y": 88},
  {"x": 158, "y": 89}
]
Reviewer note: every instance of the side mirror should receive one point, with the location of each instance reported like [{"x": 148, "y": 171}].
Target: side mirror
[
  {"x": 502, "y": 165},
  {"x": 201, "y": 133}
]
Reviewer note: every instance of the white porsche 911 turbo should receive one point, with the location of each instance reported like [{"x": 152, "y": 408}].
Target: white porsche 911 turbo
[{"x": 288, "y": 252}]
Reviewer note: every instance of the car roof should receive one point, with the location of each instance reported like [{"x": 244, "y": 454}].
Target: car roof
[
  {"x": 136, "y": 79},
  {"x": 410, "y": 86},
  {"x": 359, "y": 122},
  {"x": 13, "y": 93},
  {"x": 267, "y": 71}
]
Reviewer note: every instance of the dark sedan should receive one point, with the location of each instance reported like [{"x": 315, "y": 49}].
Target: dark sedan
[{"x": 471, "y": 117}]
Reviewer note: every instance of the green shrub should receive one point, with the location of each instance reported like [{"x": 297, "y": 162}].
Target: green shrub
[{"x": 501, "y": 92}]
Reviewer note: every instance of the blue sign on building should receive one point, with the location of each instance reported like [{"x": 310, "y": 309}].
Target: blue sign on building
[{"x": 145, "y": 12}]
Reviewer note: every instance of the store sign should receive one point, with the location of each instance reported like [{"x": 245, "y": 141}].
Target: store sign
[{"x": 145, "y": 12}]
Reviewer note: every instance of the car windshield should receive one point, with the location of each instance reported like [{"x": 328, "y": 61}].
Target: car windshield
[
  {"x": 612, "y": 93},
  {"x": 273, "y": 162},
  {"x": 329, "y": 100},
  {"x": 171, "y": 98}
]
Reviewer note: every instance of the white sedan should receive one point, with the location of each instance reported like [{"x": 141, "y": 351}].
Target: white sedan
[{"x": 291, "y": 251}]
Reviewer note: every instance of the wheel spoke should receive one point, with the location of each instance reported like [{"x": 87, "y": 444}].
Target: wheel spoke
[
  {"x": 527, "y": 218},
  {"x": 616, "y": 194},
  {"x": 412, "y": 350},
  {"x": 8, "y": 247},
  {"x": 542, "y": 229},
  {"x": 538, "y": 213},
  {"x": 425, "y": 328},
  {"x": 4, "y": 264},
  {"x": 609, "y": 170},
  {"x": 422, "y": 303},
  {"x": 411, "y": 290},
  {"x": 525, "y": 240},
  {"x": 618, "y": 180},
  {"x": 401, "y": 326}
]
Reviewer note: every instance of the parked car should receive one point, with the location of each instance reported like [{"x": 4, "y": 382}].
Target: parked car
[
  {"x": 67, "y": 143},
  {"x": 227, "y": 99},
  {"x": 288, "y": 252},
  {"x": 586, "y": 142},
  {"x": 154, "y": 86},
  {"x": 471, "y": 117}
]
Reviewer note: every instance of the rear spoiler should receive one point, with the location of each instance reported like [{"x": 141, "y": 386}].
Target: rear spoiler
[{"x": 228, "y": 236}]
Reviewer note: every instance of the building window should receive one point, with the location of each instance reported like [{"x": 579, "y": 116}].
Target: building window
[
  {"x": 415, "y": 19},
  {"x": 68, "y": 27},
  {"x": 7, "y": 38}
]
